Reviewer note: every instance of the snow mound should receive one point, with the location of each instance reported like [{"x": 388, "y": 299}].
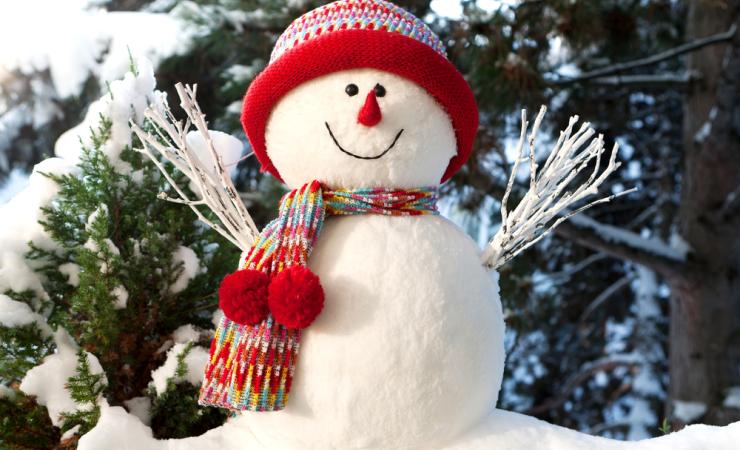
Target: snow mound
[{"x": 502, "y": 430}]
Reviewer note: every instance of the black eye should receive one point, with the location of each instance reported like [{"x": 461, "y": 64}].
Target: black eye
[
  {"x": 379, "y": 90},
  {"x": 351, "y": 89}
]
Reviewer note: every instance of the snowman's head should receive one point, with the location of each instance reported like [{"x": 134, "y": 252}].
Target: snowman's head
[
  {"x": 359, "y": 93},
  {"x": 360, "y": 128}
]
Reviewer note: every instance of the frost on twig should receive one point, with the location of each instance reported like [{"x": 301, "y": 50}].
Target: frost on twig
[
  {"x": 213, "y": 185},
  {"x": 547, "y": 202}
]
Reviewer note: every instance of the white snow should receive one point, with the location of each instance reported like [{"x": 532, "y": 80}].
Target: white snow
[
  {"x": 47, "y": 381},
  {"x": 185, "y": 334},
  {"x": 22, "y": 213},
  {"x": 732, "y": 399},
  {"x": 620, "y": 235},
  {"x": 118, "y": 430},
  {"x": 20, "y": 225},
  {"x": 688, "y": 411},
  {"x": 646, "y": 289},
  {"x": 679, "y": 244},
  {"x": 15, "y": 314},
  {"x": 126, "y": 100},
  {"x": 502, "y": 430},
  {"x": 195, "y": 362},
  {"x": 706, "y": 128},
  {"x": 102, "y": 209},
  {"x": 227, "y": 147},
  {"x": 239, "y": 73},
  {"x": 16, "y": 181},
  {"x": 6, "y": 392},
  {"x": 78, "y": 41},
  {"x": 190, "y": 268},
  {"x": 140, "y": 407},
  {"x": 121, "y": 295},
  {"x": 640, "y": 418},
  {"x": 72, "y": 271}
]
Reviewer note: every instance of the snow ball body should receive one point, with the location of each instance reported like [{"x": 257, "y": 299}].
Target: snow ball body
[{"x": 408, "y": 351}]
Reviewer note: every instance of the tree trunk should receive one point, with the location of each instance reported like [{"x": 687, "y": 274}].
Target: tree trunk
[{"x": 705, "y": 305}]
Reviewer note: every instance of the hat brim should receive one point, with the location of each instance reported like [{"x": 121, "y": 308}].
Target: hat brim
[{"x": 353, "y": 49}]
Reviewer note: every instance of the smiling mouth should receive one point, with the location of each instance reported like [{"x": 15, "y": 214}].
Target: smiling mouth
[{"x": 380, "y": 155}]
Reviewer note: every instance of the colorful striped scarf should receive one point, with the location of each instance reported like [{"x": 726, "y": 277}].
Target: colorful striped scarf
[{"x": 251, "y": 367}]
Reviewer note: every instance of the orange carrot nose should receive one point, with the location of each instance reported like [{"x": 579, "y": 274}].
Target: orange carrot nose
[{"x": 369, "y": 114}]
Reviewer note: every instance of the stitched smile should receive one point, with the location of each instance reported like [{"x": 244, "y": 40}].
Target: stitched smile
[{"x": 380, "y": 155}]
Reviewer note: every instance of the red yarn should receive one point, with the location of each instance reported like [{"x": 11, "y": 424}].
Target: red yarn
[
  {"x": 296, "y": 297},
  {"x": 243, "y": 296},
  {"x": 352, "y": 49},
  {"x": 369, "y": 114}
]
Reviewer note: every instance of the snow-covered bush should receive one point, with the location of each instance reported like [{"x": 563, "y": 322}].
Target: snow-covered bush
[{"x": 104, "y": 288}]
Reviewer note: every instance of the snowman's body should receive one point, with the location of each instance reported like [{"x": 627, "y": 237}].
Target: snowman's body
[{"x": 408, "y": 351}]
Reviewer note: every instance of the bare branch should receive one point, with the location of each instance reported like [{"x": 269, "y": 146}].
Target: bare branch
[
  {"x": 213, "y": 184},
  {"x": 546, "y": 204},
  {"x": 586, "y": 372},
  {"x": 650, "y": 60},
  {"x": 605, "y": 295}
]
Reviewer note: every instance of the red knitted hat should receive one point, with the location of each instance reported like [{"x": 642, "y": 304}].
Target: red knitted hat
[{"x": 353, "y": 34}]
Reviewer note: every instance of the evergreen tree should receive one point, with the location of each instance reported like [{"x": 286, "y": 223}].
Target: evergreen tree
[{"x": 124, "y": 273}]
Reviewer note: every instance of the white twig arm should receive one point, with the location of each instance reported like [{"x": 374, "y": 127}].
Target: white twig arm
[
  {"x": 213, "y": 185},
  {"x": 547, "y": 202}
]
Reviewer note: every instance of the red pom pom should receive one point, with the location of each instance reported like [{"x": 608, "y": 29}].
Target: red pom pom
[
  {"x": 243, "y": 296},
  {"x": 296, "y": 297}
]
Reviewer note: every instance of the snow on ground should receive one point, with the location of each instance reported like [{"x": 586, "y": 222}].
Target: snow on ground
[
  {"x": 47, "y": 381},
  {"x": 140, "y": 407},
  {"x": 502, "y": 430}
]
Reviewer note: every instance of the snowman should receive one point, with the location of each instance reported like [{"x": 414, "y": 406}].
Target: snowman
[{"x": 361, "y": 318}]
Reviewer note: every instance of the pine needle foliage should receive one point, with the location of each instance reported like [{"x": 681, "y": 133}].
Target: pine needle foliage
[
  {"x": 127, "y": 298},
  {"x": 85, "y": 388},
  {"x": 176, "y": 413}
]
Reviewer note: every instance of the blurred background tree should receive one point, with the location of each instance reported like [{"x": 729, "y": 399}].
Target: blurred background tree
[{"x": 626, "y": 321}]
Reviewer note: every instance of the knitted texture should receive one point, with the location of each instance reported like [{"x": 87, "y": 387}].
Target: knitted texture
[
  {"x": 352, "y": 34},
  {"x": 357, "y": 15},
  {"x": 251, "y": 367}
]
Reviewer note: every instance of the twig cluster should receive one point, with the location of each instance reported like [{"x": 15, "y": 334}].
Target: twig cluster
[
  {"x": 213, "y": 187},
  {"x": 546, "y": 203}
]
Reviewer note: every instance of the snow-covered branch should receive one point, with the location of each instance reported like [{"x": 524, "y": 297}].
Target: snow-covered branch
[
  {"x": 624, "y": 244},
  {"x": 659, "y": 81},
  {"x": 212, "y": 184},
  {"x": 654, "y": 59},
  {"x": 547, "y": 202}
]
